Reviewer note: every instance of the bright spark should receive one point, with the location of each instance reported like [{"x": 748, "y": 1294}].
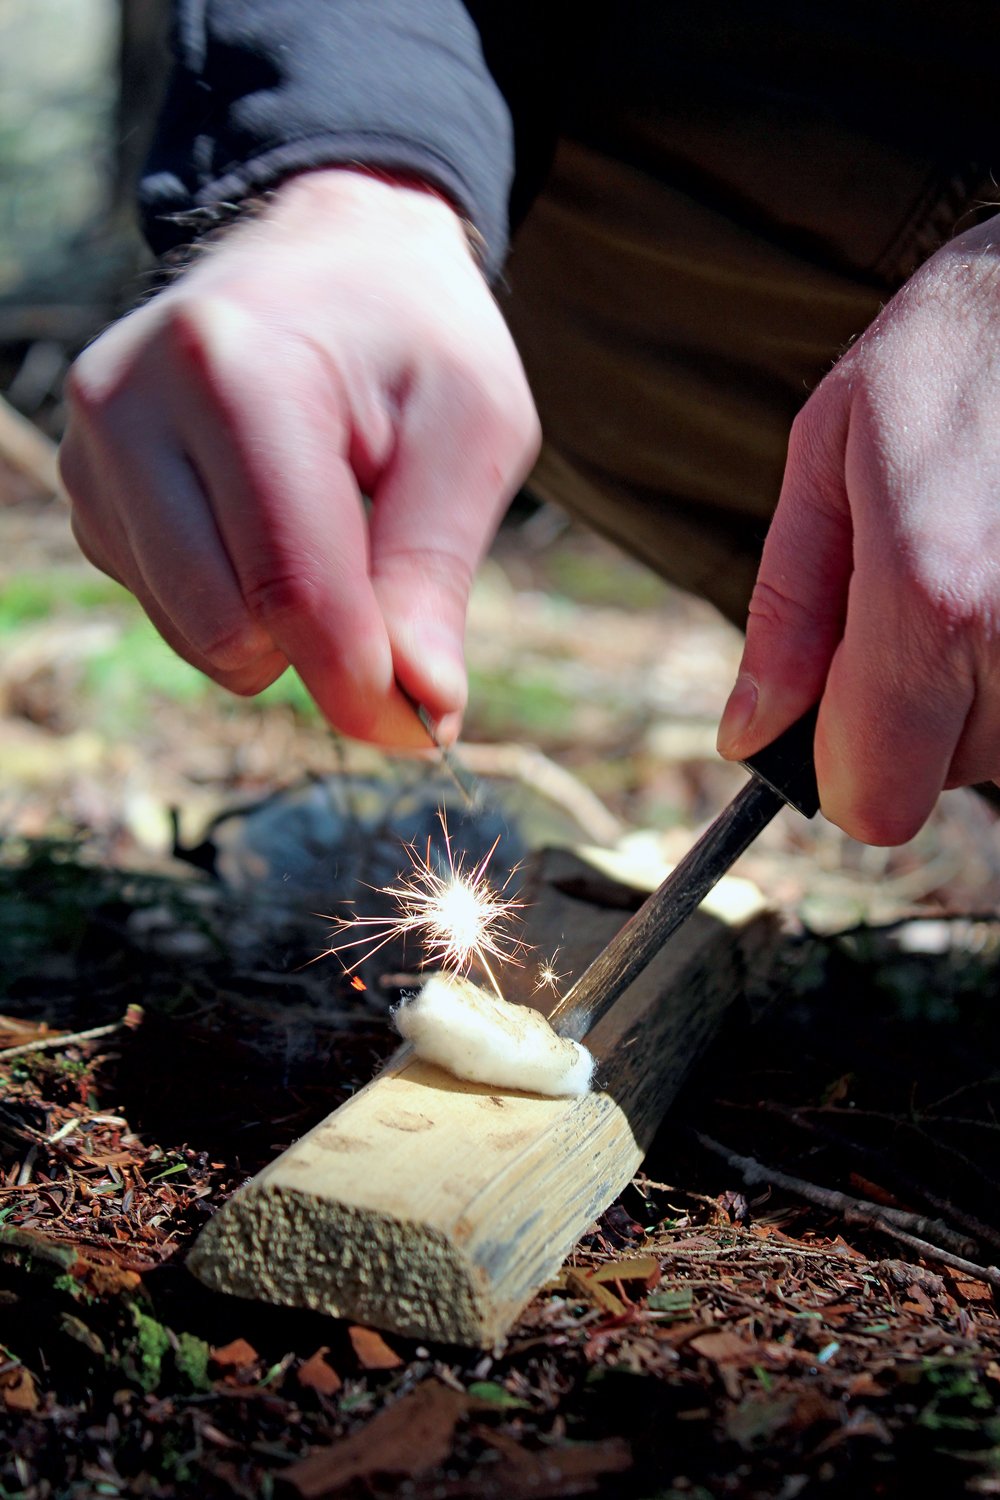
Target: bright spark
[
  {"x": 546, "y": 975},
  {"x": 457, "y": 914}
]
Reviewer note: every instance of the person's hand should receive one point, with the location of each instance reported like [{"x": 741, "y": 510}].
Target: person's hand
[
  {"x": 221, "y": 438},
  {"x": 879, "y": 586}
]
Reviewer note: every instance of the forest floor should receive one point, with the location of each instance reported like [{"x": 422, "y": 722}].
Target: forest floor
[{"x": 160, "y": 1040}]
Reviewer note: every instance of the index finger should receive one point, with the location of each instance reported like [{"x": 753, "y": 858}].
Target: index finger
[{"x": 269, "y": 440}]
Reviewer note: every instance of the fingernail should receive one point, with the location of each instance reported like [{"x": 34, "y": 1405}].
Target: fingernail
[
  {"x": 737, "y": 715},
  {"x": 442, "y": 665},
  {"x": 448, "y": 729}
]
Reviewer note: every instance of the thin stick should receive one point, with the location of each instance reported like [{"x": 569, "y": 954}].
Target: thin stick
[
  {"x": 859, "y": 1211},
  {"x": 975, "y": 1228},
  {"x": 61, "y": 1039},
  {"x": 27, "y": 449},
  {"x": 990, "y": 1274}
]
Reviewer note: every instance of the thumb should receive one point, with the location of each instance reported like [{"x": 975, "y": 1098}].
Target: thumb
[{"x": 799, "y": 602}]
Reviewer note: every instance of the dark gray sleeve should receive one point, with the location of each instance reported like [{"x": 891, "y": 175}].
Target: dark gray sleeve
[{"x": 265, "y": 88}]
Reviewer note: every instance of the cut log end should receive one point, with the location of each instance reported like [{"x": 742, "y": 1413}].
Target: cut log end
[{"x": 290, "y": 1248}]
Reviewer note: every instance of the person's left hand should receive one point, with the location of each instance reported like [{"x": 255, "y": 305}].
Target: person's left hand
[{"x": 879, "y": 587}]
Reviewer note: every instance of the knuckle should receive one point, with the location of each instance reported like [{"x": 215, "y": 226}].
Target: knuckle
[
  {"x": 946, "y": 588},
  {"x": 284, "y": 596},
  {"x": 775, "y": 608},
  {"x": 88, "y": 391},
  {"x": 209, "y": 338},
  {"x": 236, "y": 648},
  {"x": 816, "y": 442},
  {"x": 185, "y": 332},
  {"x": 485, "y": 383}
]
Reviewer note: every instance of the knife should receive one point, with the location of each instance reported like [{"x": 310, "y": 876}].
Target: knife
[{"x": 783, "y": 774}]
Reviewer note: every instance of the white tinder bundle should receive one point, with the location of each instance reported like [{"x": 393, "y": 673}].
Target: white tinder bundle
[{"x": 479, "y": 1037}]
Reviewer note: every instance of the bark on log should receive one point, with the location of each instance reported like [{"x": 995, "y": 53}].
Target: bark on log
[{"x": 436, "y": 1208}]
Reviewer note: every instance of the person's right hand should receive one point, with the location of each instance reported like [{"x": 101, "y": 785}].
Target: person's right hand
[{"x": 221, "y": 439}]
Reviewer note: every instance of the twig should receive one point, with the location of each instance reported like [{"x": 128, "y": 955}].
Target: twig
[
  {"x": 990, "y": 1274},
  {"x": 61, "y": 1039},
  {"x": 974, "y": 1227},
  {"x": 27, "y": 1167},
  {"x": 915, "y": 1120},
  {"x": 901, "y": 1225},
  {"x": 25, "y": 448}
]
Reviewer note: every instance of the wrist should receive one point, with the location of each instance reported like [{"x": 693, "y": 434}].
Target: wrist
[
  {"x": 337, "y": 194},
  {"x": 321, "y": 200}
]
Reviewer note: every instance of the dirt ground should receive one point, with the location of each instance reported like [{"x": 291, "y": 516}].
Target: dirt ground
[{"x": 828, "y": 1328}]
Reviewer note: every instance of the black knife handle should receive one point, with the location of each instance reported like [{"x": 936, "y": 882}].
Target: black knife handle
[{"x": 788, "y": 767}]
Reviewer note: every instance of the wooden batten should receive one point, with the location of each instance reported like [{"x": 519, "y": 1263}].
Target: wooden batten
[{"x": 434, "y": 1207}]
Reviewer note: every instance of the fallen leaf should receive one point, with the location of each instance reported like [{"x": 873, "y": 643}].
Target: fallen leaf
[
  {"x": 676, "y": 1301},
  {"x": 903, "y": 1275},
  {"x": 758, "y": 1416},
  {"x": 236, "y": 1355},
  {"x": 724, "y": 1347},
  {"x": 645, "y": 1268},
  {"x": 78, "y": 1330},
  {"x": 918, "y": 1301},
  {"x": 104, "y": 1276},
  {"x": 970, "y": 1290},
  {"x": 873, "y": 1191},
  {"x": 372, "y": 1350},
  {"x": 551, "y": 1472},
  {"x": 837, "y": 1091},
  {"x": 582, "y": 1285},
  {"x": 683, "y": 1333},
  {"x": 17, "y": 1388},
  {"x": 317, "y": 1375},
  {"x": 411, "y": 1436},
  {"x": 839, "y": 1243},
  {"x": 735, "y": 1207},
  {"x": 864, "y": 1384}
]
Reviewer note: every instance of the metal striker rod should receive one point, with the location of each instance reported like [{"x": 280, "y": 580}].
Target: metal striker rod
[
  {"x": 459, "y": 775},
  {"x": 465, "y": 782},
  {"x": 645, "y": 933}
]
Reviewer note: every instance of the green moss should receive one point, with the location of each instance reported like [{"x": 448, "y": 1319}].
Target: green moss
[
  {"x": 144, "y": 1361},
  {"x": 191, "y": 1358}
]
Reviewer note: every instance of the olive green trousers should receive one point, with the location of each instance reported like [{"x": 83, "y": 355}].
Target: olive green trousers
[{"x": 675, "y": 304}]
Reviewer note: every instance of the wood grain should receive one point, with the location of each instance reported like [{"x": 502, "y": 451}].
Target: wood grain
[{"x": 434, "y": 1207}]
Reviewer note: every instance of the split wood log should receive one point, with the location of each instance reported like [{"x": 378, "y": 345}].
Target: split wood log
[{"x": 437, "y": 1208}]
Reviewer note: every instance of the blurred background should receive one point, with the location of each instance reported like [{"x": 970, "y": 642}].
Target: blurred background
[{"x": 573, "y": 649}]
